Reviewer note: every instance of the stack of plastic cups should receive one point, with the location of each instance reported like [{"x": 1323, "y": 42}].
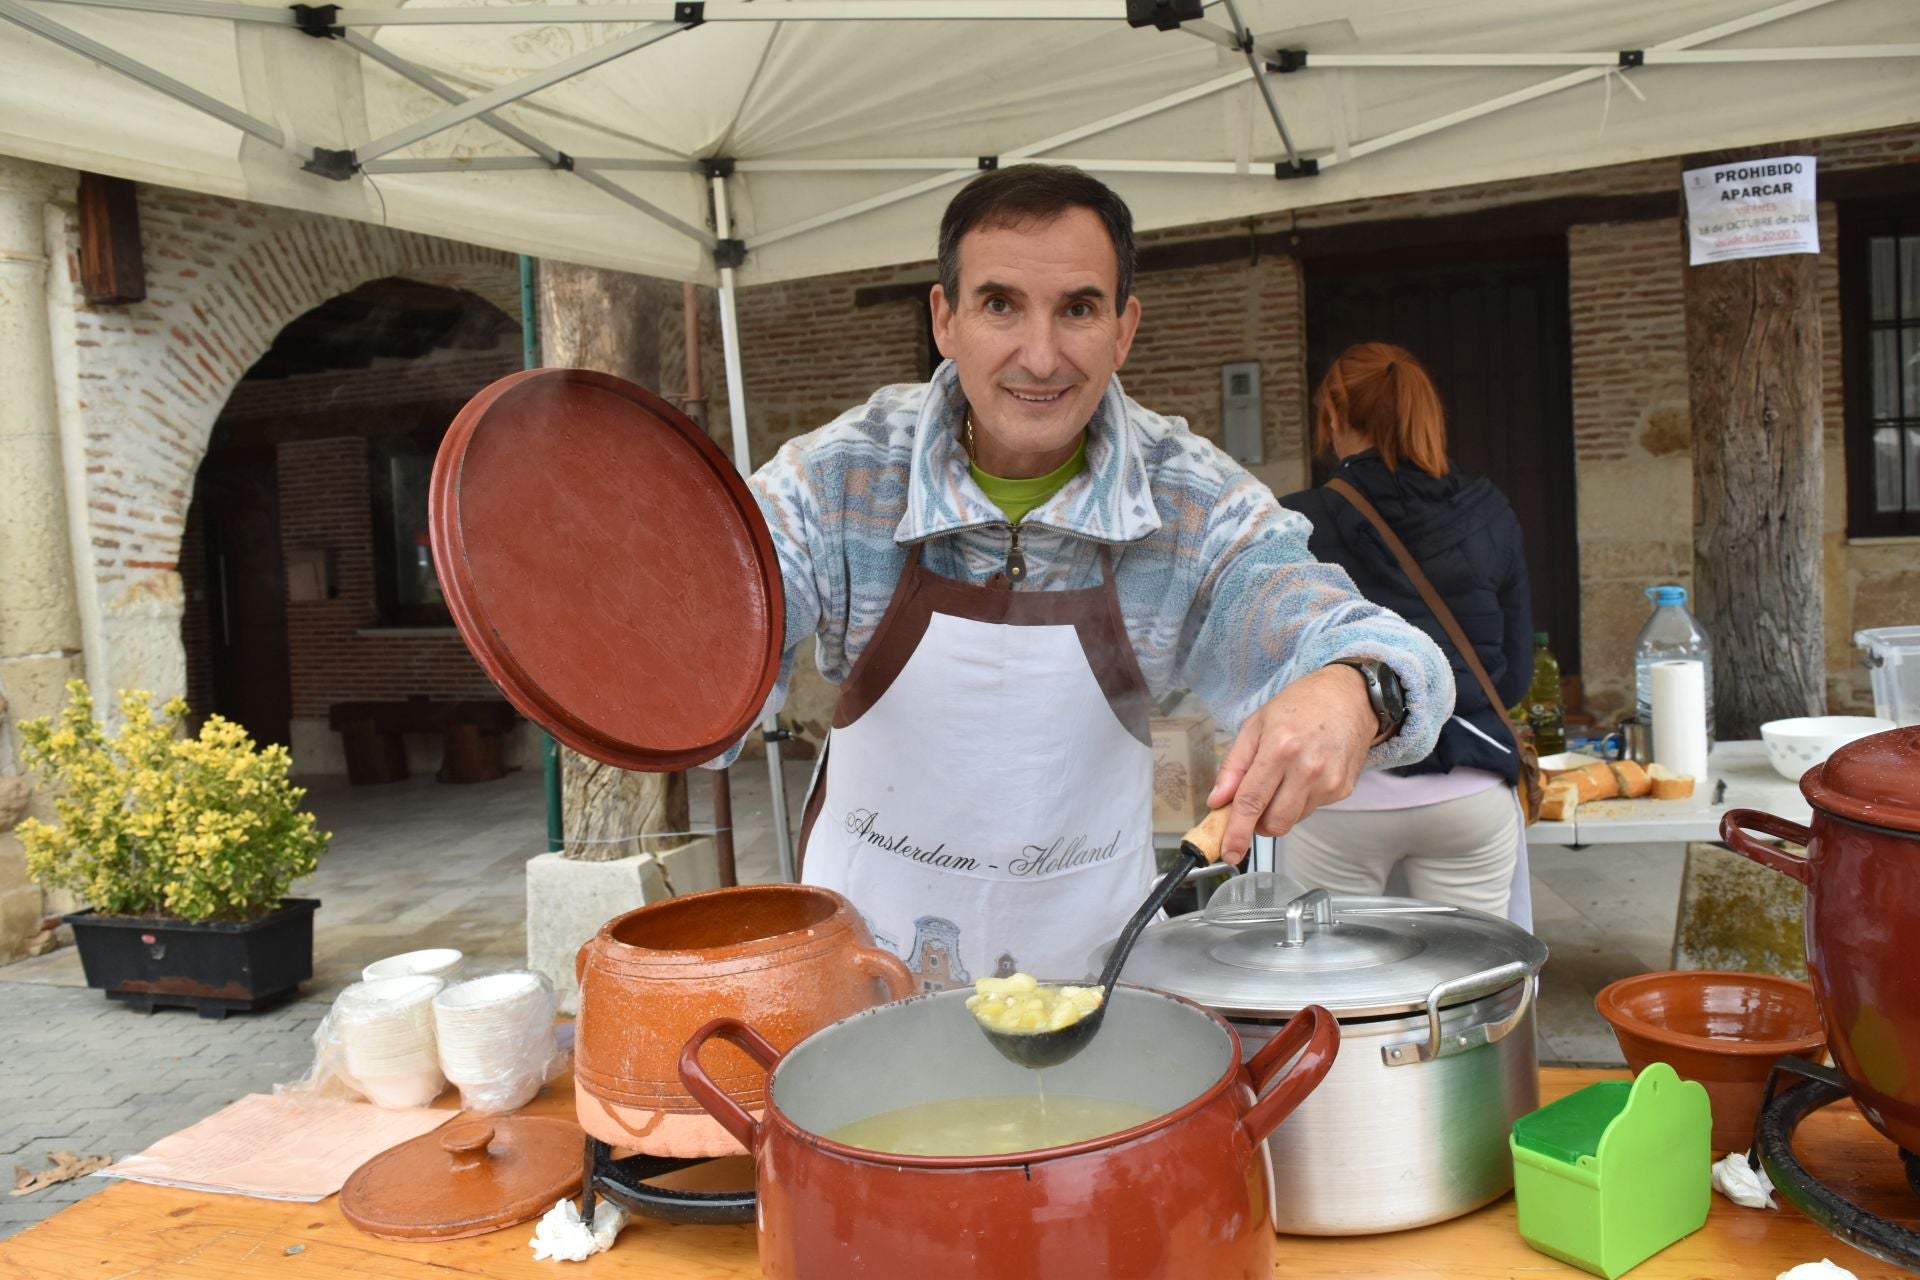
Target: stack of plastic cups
[
  {"x": 386, "y": 1029},
  {"x": 496, "y": 1039},
  {"x": 435, "y": 962}
]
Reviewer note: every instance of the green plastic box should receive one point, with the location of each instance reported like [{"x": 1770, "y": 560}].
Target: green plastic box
[{"x": 1612, "y": 1174}]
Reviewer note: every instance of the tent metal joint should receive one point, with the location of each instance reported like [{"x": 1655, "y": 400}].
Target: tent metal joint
[
  {"x": 1633, "y": 57},
  {"x": 563, "y": 162},
  {"x": 318, "y": 20},
  {"x": 690, "y": 13},
  {"x": 717, "y": 166},
  {"x": 328, "y": 162},
  {"x": 1288, "y": 61},
  {"x": 729, "y": 254},
  {"x": 1164, "y": 15},
  {"x": 989, "y": 162},
  {"x": 1308, "y": 167}
]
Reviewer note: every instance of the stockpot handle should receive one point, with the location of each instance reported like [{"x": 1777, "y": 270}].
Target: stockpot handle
[
  {"x": 888, "y": 969},
  {"x": 1733, "y": 832},
  {"x": 1312, "y": 1027},
  {"x": 1459, "y": 991},
  {"x": 733, "y": 1117}
]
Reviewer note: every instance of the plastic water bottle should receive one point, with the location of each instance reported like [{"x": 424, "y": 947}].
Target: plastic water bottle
[{"x": 1672, "y": 634}]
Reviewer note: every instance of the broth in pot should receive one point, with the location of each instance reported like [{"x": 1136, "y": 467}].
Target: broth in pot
[{"x": 991, "y": 1126}]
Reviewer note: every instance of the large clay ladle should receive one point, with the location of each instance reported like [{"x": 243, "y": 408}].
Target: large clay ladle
[{"x": 1040, "y": 1049}]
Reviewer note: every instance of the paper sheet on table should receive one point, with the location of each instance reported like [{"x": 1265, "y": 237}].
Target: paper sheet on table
[{"x": 290, "y": 1147}]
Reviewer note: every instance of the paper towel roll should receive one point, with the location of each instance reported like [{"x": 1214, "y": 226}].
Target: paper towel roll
[{"x": 1680, "y": 717}]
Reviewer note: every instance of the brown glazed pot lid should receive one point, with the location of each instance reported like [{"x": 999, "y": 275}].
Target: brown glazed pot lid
[
  {"x": 469, "y": 1178},
  {"x": 608, "y": 568},
  {"x": 1874, "y": 780}
]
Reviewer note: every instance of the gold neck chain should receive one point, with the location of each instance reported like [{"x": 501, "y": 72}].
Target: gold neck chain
[{"x": 971, "y": 457}]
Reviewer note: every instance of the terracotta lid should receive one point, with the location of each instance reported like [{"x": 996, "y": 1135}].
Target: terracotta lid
[
  {"x": 608, "y": 567},
  {"x": 469, "y": 1178},
  {"x": 1873, "y": 780}
]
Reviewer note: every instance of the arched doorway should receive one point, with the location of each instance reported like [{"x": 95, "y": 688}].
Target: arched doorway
[{"x": 303, "y": 560}]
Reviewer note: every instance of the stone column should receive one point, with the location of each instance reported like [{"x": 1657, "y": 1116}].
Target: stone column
[{"x": 39, "y": 620}]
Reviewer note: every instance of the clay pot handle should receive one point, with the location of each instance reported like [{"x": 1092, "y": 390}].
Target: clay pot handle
[
  {"x": 889, "y": 969},
  {"x": 1312, "y": 1027},
  {"x": 717, "y": 1103},
  {"x": 1733, "y": 833}
]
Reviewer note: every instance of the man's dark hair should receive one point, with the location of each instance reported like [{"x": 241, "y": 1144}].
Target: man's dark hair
[{"x": 1033, "y": 193}]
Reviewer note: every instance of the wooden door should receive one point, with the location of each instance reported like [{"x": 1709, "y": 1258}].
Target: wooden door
[
  {"x": 236, "y": 496},
  {"x": 1490, "y": 322}
]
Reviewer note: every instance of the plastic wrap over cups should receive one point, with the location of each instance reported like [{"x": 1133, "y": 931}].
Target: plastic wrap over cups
[
  {"x": 496, "y": 1039},
  {"x": 379, "y": 1040},
  {"x": 434, "y": 962}
]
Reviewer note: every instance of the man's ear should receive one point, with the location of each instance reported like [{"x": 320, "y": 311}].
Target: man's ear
[
  {"x": 942, "y": 321},
  {"x": 1129, "y": 325}
]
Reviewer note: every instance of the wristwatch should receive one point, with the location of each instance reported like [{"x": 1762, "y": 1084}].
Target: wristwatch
[{"x": 1384, "y": 693}]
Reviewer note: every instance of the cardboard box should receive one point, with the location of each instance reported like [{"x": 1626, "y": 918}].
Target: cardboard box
[{"x": 1184, "y": 765}]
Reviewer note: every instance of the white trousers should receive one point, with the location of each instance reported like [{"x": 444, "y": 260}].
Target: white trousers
[{"x": 1462, "y": 852}]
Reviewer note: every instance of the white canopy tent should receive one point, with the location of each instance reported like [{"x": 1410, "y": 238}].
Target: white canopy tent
[{"x": 747, "y": 141}]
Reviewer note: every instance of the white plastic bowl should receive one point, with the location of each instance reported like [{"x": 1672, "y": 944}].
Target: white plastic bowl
[
  {"x": 1795, "y": 746},
  {"x": 435, "y": 962}
]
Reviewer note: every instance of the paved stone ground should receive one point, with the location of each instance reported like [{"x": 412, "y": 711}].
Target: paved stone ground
[{"x": 83, "y": 1074}]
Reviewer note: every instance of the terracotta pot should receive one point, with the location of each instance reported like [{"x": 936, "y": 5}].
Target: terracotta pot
[
  {"x": 1862, "y": 872},
  {"x": 791, "y": 958},
  {"x": 1181, "y": 1197},
  {"x": 1725, "y": 1030}
]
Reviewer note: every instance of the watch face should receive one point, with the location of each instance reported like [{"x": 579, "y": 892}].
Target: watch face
[{"x": 1393, "y": 697}]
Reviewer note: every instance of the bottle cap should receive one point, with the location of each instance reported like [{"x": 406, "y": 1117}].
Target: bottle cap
[
  {"x": 1667, "y": 595},
  {"x": 1540, "y": 639}
]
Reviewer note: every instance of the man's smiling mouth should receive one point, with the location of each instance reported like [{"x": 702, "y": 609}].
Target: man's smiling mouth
[{"x": 1030, "y": 398}]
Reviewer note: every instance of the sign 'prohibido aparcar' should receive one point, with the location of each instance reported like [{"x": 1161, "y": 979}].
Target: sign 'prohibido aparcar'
[{"x": 1752, "y": 209}]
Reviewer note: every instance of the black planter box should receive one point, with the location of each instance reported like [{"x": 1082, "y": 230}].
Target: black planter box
[{"x": 215, "y": 967}]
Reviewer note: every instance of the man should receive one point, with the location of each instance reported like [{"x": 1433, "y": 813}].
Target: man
[{"x": 1005, "y": 566}]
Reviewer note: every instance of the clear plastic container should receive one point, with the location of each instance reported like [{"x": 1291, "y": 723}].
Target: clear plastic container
[
  {"x": 1672, "y": 634},
  {"x": 1893, "y": 658}
]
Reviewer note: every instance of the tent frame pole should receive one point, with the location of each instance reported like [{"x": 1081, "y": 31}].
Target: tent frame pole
[
  {"x": 87, "y": 47},
  {"x": 1256, "y": 63},
  {"x": 770, "y": 731}
]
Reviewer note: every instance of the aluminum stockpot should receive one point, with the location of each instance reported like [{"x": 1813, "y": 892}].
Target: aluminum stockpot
[
  {"x": 1437, "y": 1055},
  {"x": 1183, "y": 1196}
]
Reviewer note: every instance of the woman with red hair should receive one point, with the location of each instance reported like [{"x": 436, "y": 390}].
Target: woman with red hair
[{"x": 1450, "y": 823}]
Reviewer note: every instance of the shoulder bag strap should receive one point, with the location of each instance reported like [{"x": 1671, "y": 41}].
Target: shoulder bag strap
[{"x": 1435, "y": 604}]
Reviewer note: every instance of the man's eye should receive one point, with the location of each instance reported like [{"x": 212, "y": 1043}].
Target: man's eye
[
  {"x": 998, "y": 306},
  {"x": 1080, "y": 310}
]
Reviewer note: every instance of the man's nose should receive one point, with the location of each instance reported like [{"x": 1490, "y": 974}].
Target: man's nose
[{"x": 1040, "y": 348}]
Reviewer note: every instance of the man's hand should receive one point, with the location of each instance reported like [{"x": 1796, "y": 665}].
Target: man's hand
[{"x": 1302, "y": 750}]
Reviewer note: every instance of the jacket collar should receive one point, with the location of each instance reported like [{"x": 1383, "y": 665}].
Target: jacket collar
[{"x": 1110, "y": 501}]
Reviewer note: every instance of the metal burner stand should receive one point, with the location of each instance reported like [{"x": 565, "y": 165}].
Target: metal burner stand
[
  {"x": 624, "y": 1182},
  {"x": 1773, "y": 1150}
]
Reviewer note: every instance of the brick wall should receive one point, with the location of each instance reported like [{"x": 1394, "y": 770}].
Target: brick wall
[
  {"x": 141, "y": 385},
  {"x": 325, "y": 504}
]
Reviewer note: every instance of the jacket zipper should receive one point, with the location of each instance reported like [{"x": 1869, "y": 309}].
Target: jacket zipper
[{"x": 1016, "y": 558}]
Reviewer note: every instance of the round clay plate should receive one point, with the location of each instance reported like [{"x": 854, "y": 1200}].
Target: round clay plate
[
  {"x": 608, "y": 567},
  {"x": 468, "y": 1178}
]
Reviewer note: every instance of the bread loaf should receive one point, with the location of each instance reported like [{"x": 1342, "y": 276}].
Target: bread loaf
[
  {"x": 1596, "y": 782},
  {"x": 1561, "y": 799},
  {"x": 1634, "y": 781},
  {"x": 1668, "y": 785}
]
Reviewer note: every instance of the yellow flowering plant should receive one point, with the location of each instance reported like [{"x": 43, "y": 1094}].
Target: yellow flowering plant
[{"x": 156, "y": 822}]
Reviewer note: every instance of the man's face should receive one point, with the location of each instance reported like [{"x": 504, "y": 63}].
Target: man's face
[{"x": 1036, "y": 335}]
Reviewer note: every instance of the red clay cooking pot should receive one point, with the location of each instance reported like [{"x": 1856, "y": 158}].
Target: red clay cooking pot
[
  {"x": 791, "y": 958},
  {"x": 1181, "y": 1197},
  {"x": 1862, "y": 872}
]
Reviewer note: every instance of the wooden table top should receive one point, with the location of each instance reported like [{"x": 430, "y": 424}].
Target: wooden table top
[{"x": 154, "y": 1233}]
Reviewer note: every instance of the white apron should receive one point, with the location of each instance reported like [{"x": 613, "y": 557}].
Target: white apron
[{"x": 985, "y": 799}]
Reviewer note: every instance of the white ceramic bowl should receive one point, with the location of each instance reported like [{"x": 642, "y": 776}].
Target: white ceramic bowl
[
  {"x": 435, "y": 962},
  {"x": 1795, "y": 746}
]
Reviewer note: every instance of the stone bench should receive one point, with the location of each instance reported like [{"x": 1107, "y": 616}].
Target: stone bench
[{"x": 473, "y": 732}]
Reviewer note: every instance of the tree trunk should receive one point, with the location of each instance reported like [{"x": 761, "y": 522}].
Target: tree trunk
[
  {"x": 1753, "y": 373},
  {"x": 611, "y": 322}
]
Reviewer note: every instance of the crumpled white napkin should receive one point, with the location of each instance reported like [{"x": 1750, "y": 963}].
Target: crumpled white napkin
[
  {"x": 1745, "y": 1186},
  {"x": 1821, "y": 1270},
  {"x": 562, "y": 1236}
]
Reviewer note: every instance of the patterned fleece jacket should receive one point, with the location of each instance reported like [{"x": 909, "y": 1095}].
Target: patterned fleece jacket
[{"x": 1216, "y": 586}]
